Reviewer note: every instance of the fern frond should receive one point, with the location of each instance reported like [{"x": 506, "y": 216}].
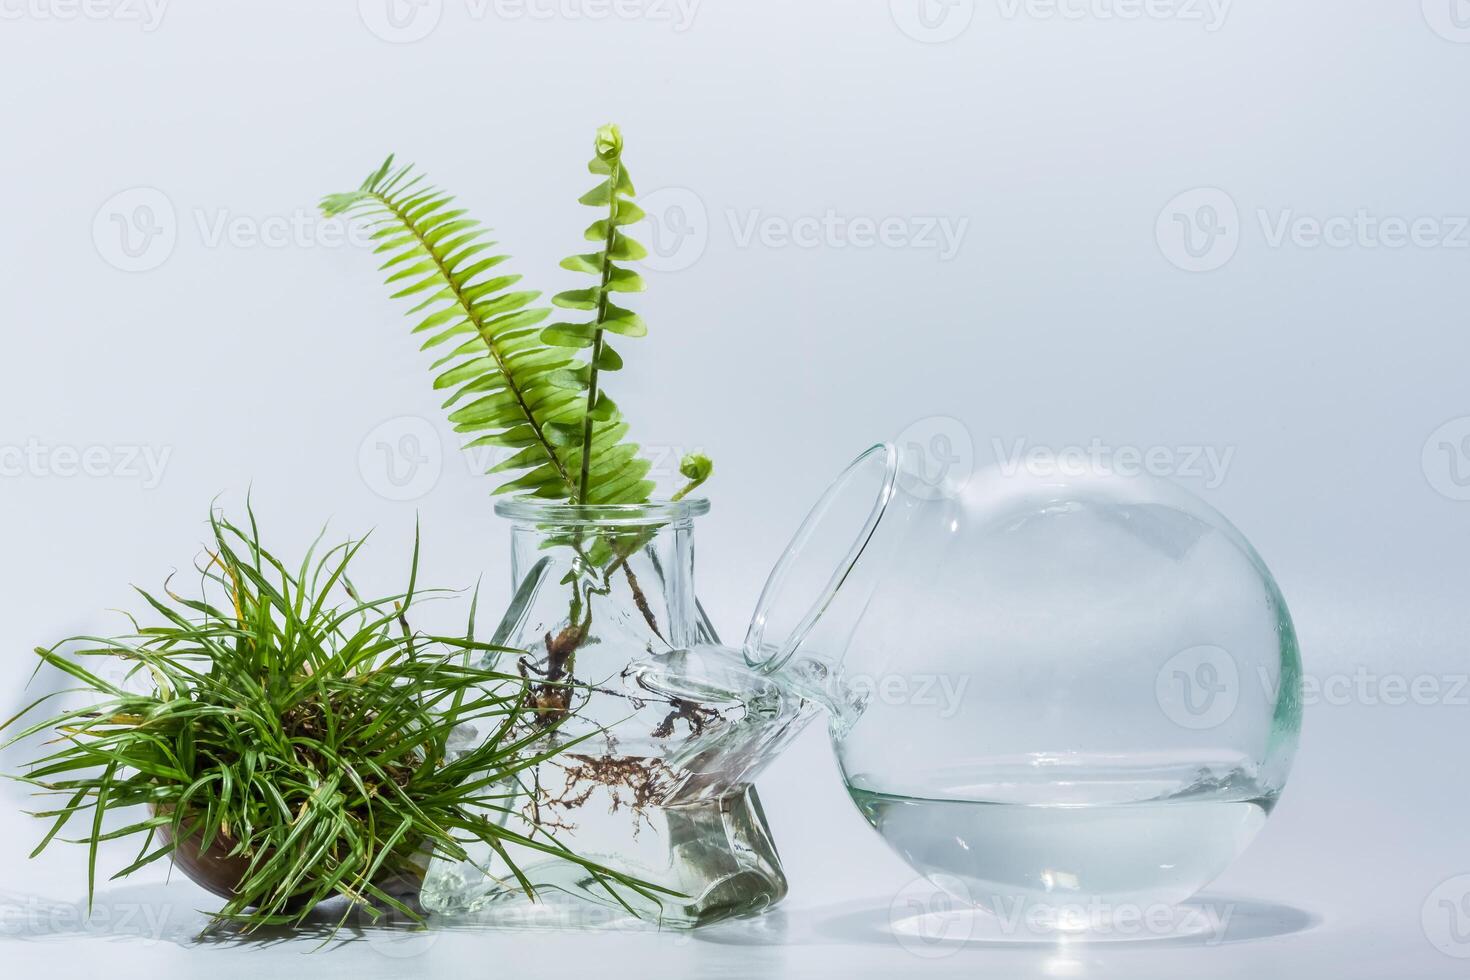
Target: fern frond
[
  {"x": 513, "y": 382},
  {"x": 502, "y": 377},
  {"x": 617, "y": 472}
]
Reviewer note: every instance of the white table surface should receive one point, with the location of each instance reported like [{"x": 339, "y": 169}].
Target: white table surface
[{"x": 1341, "y": 883}]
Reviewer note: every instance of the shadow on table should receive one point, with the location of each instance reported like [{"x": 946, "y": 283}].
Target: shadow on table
[
  {"x": 175, "y": 914},
  {"x": 1206, "y": 921}
]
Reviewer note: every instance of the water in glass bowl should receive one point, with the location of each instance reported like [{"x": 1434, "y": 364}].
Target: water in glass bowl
[{"x": 1058, "y": 840}]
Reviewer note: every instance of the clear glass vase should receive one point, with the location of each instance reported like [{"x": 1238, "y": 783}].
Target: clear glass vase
[{"x": 669, "y": 729}]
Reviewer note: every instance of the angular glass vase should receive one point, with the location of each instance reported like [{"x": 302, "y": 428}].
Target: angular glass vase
[{"x": 669, "y": 730}]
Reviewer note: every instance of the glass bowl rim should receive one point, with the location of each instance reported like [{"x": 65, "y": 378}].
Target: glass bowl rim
[{"x": 886, "y": 454}]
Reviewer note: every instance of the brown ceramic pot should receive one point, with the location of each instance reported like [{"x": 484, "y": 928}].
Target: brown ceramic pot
[{"x": 214, "y": 870}]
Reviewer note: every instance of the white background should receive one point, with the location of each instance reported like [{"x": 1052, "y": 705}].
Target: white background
[{"x": 1066, "y": 147}]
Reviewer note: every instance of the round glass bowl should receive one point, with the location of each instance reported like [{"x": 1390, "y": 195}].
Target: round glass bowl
[{"x": 1053, "y": 691}]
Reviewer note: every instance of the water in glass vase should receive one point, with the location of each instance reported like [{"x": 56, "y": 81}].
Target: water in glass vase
[{"x": 1074, "y": 853}]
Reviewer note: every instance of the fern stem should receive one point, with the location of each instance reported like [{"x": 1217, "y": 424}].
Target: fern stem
[
  {"x": 479, "y": 325},
  {"x": 597, "y": 335}
]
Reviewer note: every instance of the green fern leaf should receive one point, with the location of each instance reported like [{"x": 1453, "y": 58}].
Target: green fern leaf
[
  {"x": 508, "y": 387},
  {"x": 514, "y": 382}
]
